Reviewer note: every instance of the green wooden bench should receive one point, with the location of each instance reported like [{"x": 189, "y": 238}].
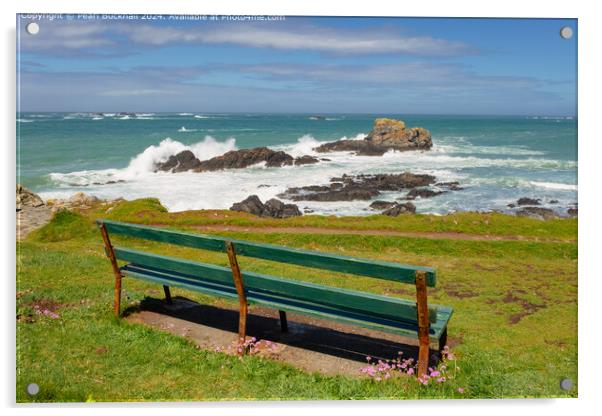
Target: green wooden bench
[{"x": 410, "y": 318}]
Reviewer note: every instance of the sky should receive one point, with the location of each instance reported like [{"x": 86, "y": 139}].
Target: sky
[{"x": 297, "y": 65}]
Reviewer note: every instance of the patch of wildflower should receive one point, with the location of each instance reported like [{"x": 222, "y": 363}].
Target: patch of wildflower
[
  {"x": 249, "y": 346},
  {"x": 45, "y": 312},
  {"x": 380, "y": 370}
]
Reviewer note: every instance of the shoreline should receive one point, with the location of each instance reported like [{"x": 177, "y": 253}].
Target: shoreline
[{"x": 462, "y": 225}]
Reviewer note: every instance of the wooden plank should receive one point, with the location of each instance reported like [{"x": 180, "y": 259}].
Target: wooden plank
[
  {"x": 242, "y": 298},
  {"x": 116, "y": 272},
  {"x": 423, "y": 323},
  {"x": 344, "y": 264},
  {"x": 378, "y": 305}
]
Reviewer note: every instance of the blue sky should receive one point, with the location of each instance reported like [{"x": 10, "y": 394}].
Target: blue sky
[{"x": 300, "y": 64}]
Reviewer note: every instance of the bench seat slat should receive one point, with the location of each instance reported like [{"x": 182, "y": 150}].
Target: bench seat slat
[
  {"x": 377, "y": 305},
  {"x": 170, "y": 278},
  {"x": 344, "y": 264}
]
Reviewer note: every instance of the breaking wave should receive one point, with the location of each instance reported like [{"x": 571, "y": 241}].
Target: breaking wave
[
  {"x": 144, "y": 163},
  {"x": 555, "y": 186}
]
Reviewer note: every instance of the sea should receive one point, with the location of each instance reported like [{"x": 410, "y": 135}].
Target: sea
[{"x": 496, "y": 160}]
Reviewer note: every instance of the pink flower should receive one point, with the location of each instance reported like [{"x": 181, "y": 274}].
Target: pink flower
[
  {"x": 368, "y": 358},
  {"x": 435, "y": 373},
  {"x": 410, "y": 371},
  {"x": 460, "y": 390}
]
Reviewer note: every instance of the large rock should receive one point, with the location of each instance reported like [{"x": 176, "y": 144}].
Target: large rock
[
  {"x": 277, "y": 209},
  {"x": 272, "y": 208},
  {"x": 528, "y": 201},
  {"x": 27, "y": 198},
  {"x": 397, "y": 209},
  {"x": 181, "y": 162},
  {"x": 537, "y": 212},
  {"x": 387, "y": 134},
  {"x": 252, "y": 205},
  {"x": 361, "y": 187}
]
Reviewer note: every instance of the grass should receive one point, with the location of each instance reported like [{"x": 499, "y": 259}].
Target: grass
[
  {"x": 515, "y": 320},
  {"x": 150, "y": 211}
]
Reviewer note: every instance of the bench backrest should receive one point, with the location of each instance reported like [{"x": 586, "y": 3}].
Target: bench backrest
[{"x": 344, "y": 264}]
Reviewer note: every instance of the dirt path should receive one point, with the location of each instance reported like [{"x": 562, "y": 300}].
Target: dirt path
[
  {"x": 31, "y": 218},
  {"x": 418, "y": 234}
]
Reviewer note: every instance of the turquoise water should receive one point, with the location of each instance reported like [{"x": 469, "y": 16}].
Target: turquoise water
[{"x": 496, "y": 159}]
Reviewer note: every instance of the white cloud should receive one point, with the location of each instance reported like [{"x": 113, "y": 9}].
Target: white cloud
[
  {"x": 300, "y": 38},
  {"x": 112, "y": 36}
]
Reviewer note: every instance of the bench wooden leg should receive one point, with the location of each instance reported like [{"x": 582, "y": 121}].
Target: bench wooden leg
[
  {"x": 118, "y": 276},
  {"x": 167, "y": 294},
  {"x": 242, "y": 298},
  {"x": 423, "y": 323},
  {"x": 283, "y": 321}
]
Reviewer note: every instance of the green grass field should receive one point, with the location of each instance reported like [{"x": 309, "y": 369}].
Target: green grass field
[{"x": 514, "y": 325}]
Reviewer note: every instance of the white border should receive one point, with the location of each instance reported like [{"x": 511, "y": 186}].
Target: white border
[{"x": 590, "y": 28}]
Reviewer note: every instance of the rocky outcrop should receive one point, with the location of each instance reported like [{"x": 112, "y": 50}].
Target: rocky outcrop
[
  {"x": 397, "y": 209},
  {"x": 306, "y": 160},
  {"x": 528, "y": 201},
  {"x": 272, "y": 208},
  {"x": 379, "y": 205},
  {"x": 387, "y": 134},
  {"x": 537, "y": 212},
  {"x": 422, "y": 193},
  {"x": 26, "y": 198},
  {"x": 80, "y": 200},
  {"x": 361, "y": 187},
  {"x": 235, "y": 159},
  {"x": 572, "y": 212},
  {"x": 182, "y": 162}
]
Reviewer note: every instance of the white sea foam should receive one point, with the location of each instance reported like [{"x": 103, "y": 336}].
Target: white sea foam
[
  {"x": 487, "y": 150},
  {"x": 143, "y": 164},
  {"x": 185, "y": 130},
  {"x": 553, "y": 185},
  {"x": 304, "y": 146},
  {"x": 218, "y": 190},
  {"x": 24, "y": 120},
  {"x": 201, "y": 116},
  {"x": 185, "y": 114}
]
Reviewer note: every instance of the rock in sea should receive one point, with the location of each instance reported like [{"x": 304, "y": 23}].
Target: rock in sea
[
  {"x": 361, "y": 187},
  {"x": 397, "y": 209},
  {"x": 272, "y": 208},
  {"x": 234, "y": 159},
  {"x": 387, "y": 134}
]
